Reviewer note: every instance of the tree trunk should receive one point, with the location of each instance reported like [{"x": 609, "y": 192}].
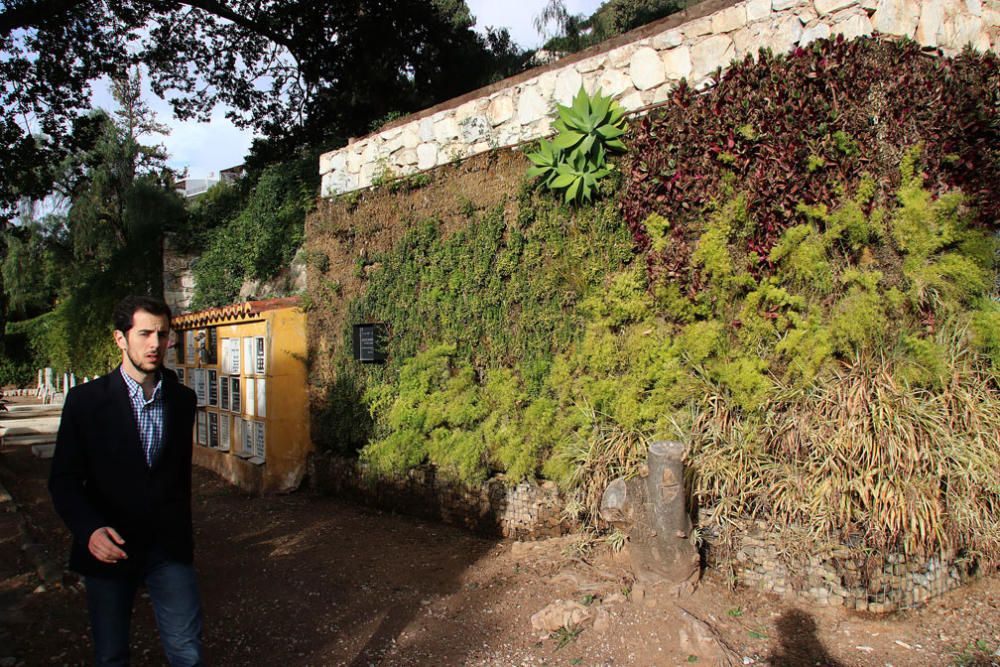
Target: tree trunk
[{"x": 651, "y": 509}]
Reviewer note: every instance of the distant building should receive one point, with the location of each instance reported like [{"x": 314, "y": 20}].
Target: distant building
[
  {"x": 544, "y": 57},
  {"x": 192, "y": 187}
]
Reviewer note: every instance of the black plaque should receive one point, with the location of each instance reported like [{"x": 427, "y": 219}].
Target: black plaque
[
  {"x": 235, "y": 395},
  {"x": 213, "y": 430},
  {"x": 213, "y": 387},
  {"x": 370, "y": 343},
  {"x": 180, "y": 375},
  {"x": 212, "y": 346},
  {"x": 224, "y": 392}
]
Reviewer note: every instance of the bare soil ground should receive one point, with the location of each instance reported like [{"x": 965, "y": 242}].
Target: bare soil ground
[{"x": 304, "y": 580}]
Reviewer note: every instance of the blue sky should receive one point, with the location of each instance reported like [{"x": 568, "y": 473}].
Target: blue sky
[{"x": 206, "y": 148}]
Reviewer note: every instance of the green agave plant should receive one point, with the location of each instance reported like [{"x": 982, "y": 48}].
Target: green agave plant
[{"x": 577, "y": 157}]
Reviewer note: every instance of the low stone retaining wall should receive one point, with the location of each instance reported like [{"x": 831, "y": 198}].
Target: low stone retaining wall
[
  {"x": 640, "y": 69},
  {"x": 834, "y": 575},
  {"x": 525, "y": 511},
  {"x": 830, "y": 576}
]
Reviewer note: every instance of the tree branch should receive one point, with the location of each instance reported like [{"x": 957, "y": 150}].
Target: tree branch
[
  {"x": 222, "y": 11},
  {"x": 30, "y": 14}
]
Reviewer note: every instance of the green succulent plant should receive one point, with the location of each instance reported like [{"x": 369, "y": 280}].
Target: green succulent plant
[{"x": 576, "y": 158}]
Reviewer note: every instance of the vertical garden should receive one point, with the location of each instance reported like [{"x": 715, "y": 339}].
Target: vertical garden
[{"x": 794, "y": 272}]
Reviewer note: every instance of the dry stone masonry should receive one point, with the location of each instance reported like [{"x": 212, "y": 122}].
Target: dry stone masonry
[
  {"x": 641, "y": 73},
  {"x": 522, "y": 511},
  {"x": 834, "y": 576}
]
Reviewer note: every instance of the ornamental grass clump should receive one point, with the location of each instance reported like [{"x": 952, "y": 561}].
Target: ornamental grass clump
[
  {"x": 877, "y": 421},
  {"x": 863, "y": 458}
]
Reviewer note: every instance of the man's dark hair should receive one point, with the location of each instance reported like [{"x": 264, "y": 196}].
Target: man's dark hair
[{"x": 126, "y": 309}]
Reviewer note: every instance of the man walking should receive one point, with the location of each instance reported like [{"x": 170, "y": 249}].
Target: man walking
[{"x": 121, "y": 480}]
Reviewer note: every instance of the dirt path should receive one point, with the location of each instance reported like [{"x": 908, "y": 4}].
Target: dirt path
[{"x": 301, "y": 580}]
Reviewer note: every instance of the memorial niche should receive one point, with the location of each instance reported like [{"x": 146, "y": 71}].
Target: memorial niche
[
  {"x": 212, "y": 347},
  {"x": 213, "y": 430},
  {"x": 213, "y": 387}
]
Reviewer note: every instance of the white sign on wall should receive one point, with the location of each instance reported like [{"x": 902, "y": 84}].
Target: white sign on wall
[
  {"x": 248, "y": 437},
  {"x": 189, "y": 348},
  {"x": 200, "y": 388},
  {"x": 250, "y": 402},
  {"x": 259, "y": 440},
  {"x": 248, "y": 350},
  {"x": 232, "y": 363},
  {"x": 261, "y": 398},
  {"x": 202, "y": 428},
  {"x": 224, "y": 437}
]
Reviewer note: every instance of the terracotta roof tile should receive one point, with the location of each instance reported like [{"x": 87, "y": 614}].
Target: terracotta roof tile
[{"x": 231, "y": 314}]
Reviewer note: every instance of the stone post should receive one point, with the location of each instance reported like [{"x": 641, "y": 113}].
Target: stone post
[{"x": 651, "y": 509}]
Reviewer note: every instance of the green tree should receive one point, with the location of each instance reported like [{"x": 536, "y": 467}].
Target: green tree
[
  {"x": 106, "y": 244},
  {"x": 261, "y": 236},
  {"x": 300, "y": 73},
  {"x": 569, "y": 33},
  {"x": 36, "y": 255}
]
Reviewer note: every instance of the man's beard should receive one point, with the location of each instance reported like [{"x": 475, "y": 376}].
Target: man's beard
[{"x": 142, "y": 365}]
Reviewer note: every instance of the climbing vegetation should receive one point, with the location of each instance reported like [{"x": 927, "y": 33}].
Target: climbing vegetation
[{"x": 840, "y": 378}]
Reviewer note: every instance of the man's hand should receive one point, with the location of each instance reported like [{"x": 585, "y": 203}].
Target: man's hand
[{"x": 104, "y": 543}]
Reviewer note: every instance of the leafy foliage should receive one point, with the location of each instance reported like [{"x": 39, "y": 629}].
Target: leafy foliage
[
  {"x": 797, "y": 131},
  {"x": 65, "y": 273},
  {"x": 841, "y": 383},
  {"x": 37, "y": 252},
  {"x": 262, "y": 235},
  {"x": 578, "y": 156},
  {"x": 500, "y": 296},
  {"x": 574, "y": 32}
]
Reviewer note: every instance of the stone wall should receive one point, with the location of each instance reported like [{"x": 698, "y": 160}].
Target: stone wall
[
  {"x": 179, "y": 282},
  {"x": 834, "y": 575},
  {"x": 640, "y": 69},
  {"x": 178, "y": 278},
  {"x": 525, "y": 511}
]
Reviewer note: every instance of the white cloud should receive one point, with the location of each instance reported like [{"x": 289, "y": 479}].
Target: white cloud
[
  {"x": 206, "y": 148},
  {"x": 201, "y": 148}
]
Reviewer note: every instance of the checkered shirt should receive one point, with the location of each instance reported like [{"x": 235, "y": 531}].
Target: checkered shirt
[{"x": 148, "y": 415}]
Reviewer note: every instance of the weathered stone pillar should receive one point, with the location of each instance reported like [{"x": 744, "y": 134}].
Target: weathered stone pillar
[{"x": 651, "y": 509}]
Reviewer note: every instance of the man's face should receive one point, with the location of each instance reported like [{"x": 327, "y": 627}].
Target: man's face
[{"x": 145, "y": 344}]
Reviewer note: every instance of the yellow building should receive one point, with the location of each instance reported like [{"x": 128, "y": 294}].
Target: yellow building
[{"x": 247, "y": 364}]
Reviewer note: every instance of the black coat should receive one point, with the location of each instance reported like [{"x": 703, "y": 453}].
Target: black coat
[{"x": 100, "y": 478}]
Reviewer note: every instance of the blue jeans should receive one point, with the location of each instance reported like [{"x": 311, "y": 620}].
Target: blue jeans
[{"x": 173, "y": 589}]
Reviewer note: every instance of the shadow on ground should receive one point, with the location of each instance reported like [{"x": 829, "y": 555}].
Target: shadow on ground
[
  {"x": 307, "y": 580},
  {"x": 799, "y": 644}
]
